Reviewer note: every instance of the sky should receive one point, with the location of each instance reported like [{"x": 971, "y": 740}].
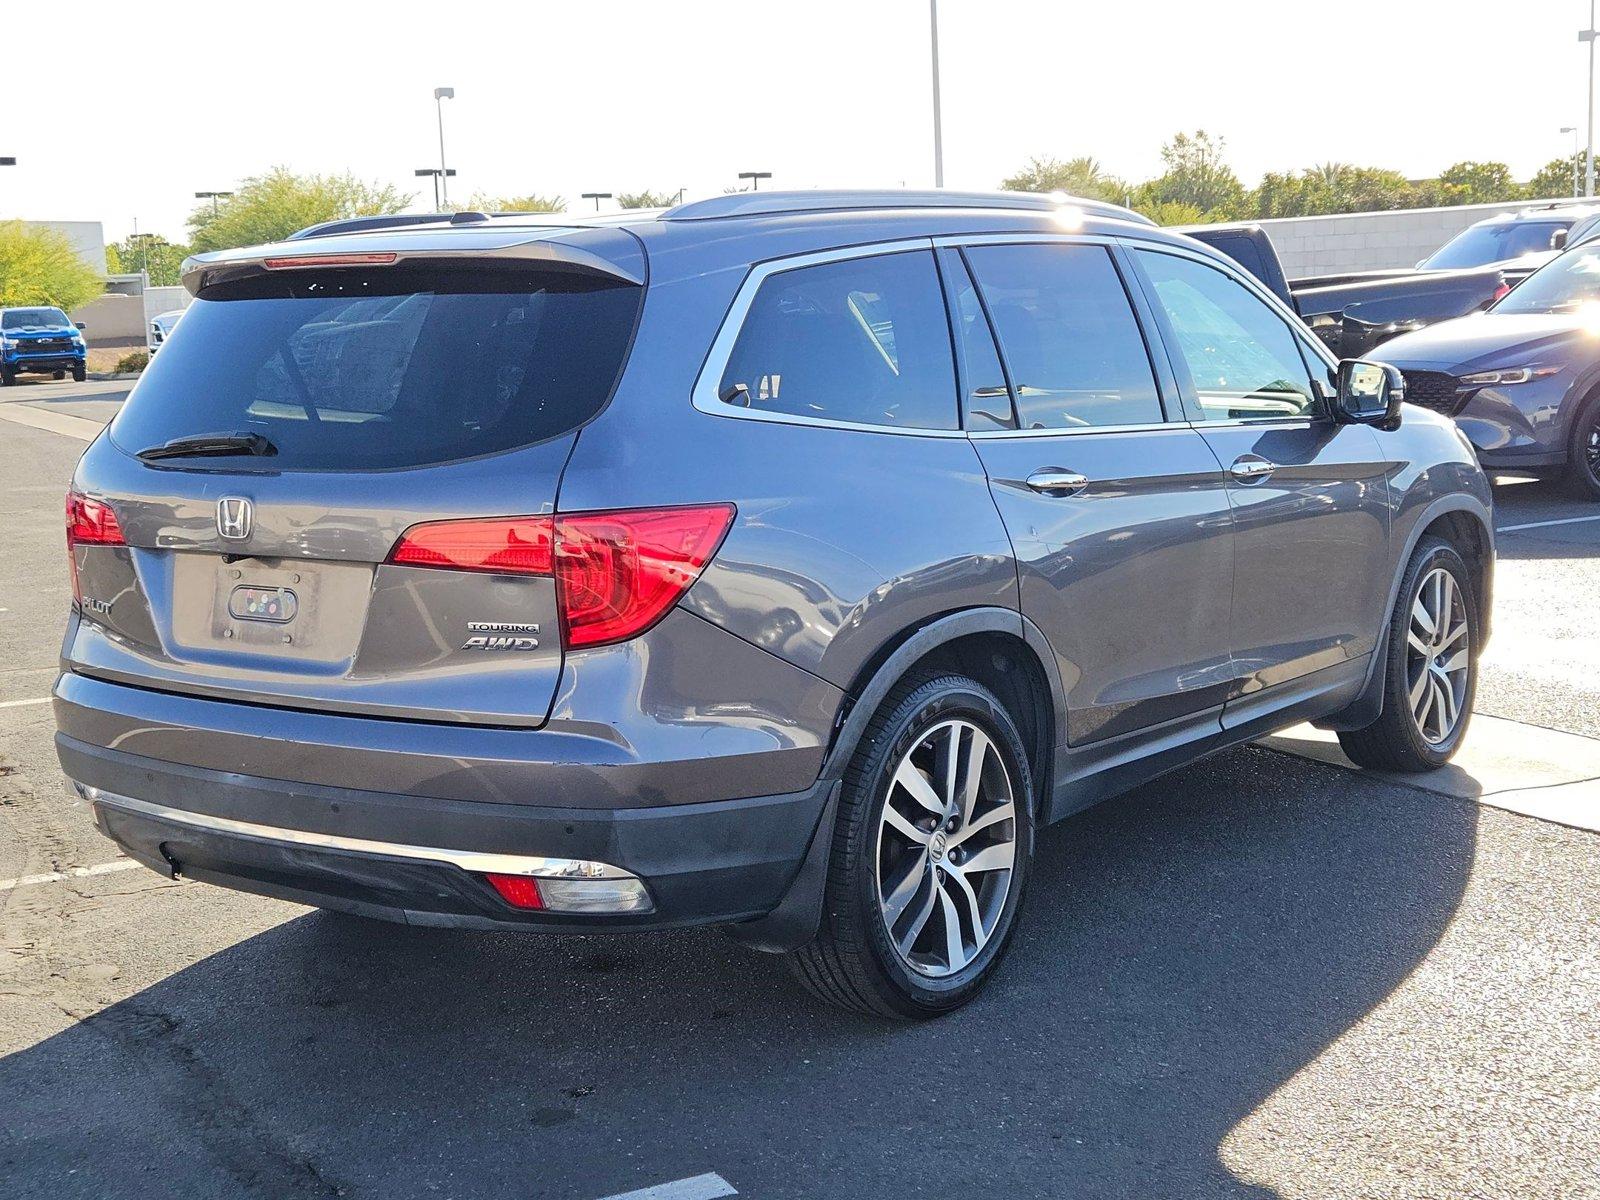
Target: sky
[{"x": 176, "y": 97}]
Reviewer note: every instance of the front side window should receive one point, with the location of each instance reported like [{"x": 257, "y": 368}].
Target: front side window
[
  {"x": 1241, "y": 355},
  {"x": 1069, "y": 336},
  {"x": 1569, "y": 284},
  {"x": 862, "y": 340}
]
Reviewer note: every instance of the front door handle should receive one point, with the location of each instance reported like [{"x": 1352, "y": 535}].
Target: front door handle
[
  {"x": 1251, "y": 469},
  {"x": 1054, "y": 482}
]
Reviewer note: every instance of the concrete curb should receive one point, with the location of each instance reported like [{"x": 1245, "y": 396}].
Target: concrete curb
[
  {"x": 1524, "y": 769},
  {"x": 103, "y": 376}
]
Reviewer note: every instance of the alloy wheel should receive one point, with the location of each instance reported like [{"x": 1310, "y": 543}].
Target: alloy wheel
[
  {"x": 1439, "y": 656},
  {"x": 946, "y": 848}
]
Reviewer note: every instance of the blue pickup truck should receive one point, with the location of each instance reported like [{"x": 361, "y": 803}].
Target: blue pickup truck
[{"x": 40, "y": 339}]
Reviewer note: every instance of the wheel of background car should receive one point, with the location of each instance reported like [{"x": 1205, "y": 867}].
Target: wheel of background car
[
  {"x": 931, "y": 851},
  {"x": 1431, "y": 667},
  {"x": 1582, "y": 474}
]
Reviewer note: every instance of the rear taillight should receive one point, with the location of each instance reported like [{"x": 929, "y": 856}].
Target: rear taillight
[
  {"x": 1501, "y": 292},
  {"x": 89, "y": 523},
  {"x": 505, "y": 546},
  {"x": 519, "y": 891},
  {"x": 616, "y": 573}
]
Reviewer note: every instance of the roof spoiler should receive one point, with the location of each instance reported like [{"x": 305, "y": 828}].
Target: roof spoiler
[
  {"x": 377, "y": 223},
  {"x": 203, "y": 272}
]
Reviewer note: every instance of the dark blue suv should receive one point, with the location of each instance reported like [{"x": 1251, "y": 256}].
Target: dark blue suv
[{"x": 40, "y": 339}]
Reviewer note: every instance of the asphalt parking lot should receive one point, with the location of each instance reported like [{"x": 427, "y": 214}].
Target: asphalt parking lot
[{"x": 1263, "y": 976}]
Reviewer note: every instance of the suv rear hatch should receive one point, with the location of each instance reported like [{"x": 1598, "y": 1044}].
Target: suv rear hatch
[{"x": 237, "y": 533}]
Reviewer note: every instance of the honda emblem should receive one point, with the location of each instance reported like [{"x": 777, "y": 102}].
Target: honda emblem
[{"x": 233, "y": 518}]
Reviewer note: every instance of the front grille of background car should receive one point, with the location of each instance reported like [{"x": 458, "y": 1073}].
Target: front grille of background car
[
  {"x": 40, "y": 345},
  {"x": 1435, "y": 390}
]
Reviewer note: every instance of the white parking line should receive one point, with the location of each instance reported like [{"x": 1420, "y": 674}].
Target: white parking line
[
  {"x": 54, "y": 422},
  {"x": 121, "y": 864},
  {"x": 702, "y": 1187},
  {"x": 24, "y": 703},
  {"x": 1544, "y": 524}
]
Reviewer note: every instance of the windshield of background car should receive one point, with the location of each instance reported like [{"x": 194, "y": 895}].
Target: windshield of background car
[
  {"x": 1565, "y": 285},
  {"x": 33, "y": 318},
  {"x": 352, "y": 369},
  {"x": 1494, "y": 243}
]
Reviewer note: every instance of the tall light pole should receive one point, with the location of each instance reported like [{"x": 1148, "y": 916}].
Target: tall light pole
[
  {"x": 938, "y": 125},
  {"x": 146, "y": 240},
  {"x": 597, "y": 197},
  {"x": 213, "y": 197},
  {"x": 8, "y": 162},
  {"x": 1573, "y": 130},
  {"x": 437, "y": 174},
  {"x": 1588, "y": 35},
  {"x": 440, "y": 95},
  {"x": 755, "y": 178}
]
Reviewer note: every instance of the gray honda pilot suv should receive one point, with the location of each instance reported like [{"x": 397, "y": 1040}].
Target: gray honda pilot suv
[{"x": 780, "y": 562}]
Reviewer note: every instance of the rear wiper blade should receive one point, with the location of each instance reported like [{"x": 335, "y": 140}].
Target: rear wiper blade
[{"x": 211, "y": 443}]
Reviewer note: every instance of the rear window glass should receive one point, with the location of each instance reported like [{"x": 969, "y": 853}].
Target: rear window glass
[
  {"x": 386, "y": 368},
  {"x": 864, "y": 340}
]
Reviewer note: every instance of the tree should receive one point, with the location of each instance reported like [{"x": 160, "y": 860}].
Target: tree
[
  {"x": 1479, "y": 183},
  {"x": 646, "y": 199},
  {"x": 1076, "y": 177},
  {"x": 1329, "y": 188},
  {"x": 161, "y": 258},
  {"x": 1555, "y": 178},
  {"x": 1197, "y": 175},
  {"x": 267, "y": 208},
  {"x": 529, "y": 203},
  {"x": 39, "y": 266}
]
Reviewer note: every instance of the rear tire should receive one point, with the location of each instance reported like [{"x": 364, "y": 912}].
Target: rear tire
[
  {"x": 1430, "y": 670},
  {"x": 58, "y": 375},
  {"x": 896, "y": 877},
  {"x": 1581, "y": 478}
]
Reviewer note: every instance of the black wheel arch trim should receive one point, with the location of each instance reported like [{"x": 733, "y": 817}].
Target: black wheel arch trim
[{"x": 1368, "y": 706}]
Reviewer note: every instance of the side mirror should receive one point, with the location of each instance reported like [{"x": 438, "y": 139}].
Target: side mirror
[
  {"x": 1558, "y": 240},
  {"x": 1369, "y": 394},
  {"x": 79, "y": 325}
]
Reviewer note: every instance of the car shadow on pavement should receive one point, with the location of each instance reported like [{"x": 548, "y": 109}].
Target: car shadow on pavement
[{"x": 1185, "y": 951}]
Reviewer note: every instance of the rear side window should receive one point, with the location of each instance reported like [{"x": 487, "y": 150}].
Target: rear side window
[
  {"x": 1067, "y": 330},
  {"x": 864, "y": 341},
  {"x": 387, "y": 368}
]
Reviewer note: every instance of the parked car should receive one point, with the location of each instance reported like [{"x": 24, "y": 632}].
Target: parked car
[
  {"x": 781, "y": 562},
  {"x": 161, "y": 327},
  {"x": 1523, "y": 240},
  {"x": 42, "y": 340},
  {"x": 1523, "y": 379},
  {"x": 1353, "y": 313}
]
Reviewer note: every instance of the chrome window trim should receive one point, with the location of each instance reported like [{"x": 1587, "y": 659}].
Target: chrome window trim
[
  {"x": 705, "y": 398},
  {"x": 1275, "y": 422},
  {"x": 1075, "y": 431},
  {"x": 476, "y": 861}
]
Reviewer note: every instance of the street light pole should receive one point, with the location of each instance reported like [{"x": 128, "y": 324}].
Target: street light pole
[
  {"x": 213, "y": 197},
  {"x": 436, "y": 175},
  {"x": 597, "y": 197},
  {"x": 1573, "y": 130},
  {"x": 1588, "y": 35},
  {"x": 440, "y": 95},
  {"x": 938, "y": 125},
  {"x": 755, "y": 178}
]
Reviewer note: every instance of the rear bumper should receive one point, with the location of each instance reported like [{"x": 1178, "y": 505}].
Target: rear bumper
[{"x": 406, "y": 858}]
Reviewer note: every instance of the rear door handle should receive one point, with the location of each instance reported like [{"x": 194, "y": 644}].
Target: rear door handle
[
  {"x": 1251, "y": 469},
  {"x": 1054, "y": 482}
]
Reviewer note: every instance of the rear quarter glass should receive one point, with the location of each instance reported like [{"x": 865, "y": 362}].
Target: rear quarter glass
[{"x": 382, "y": 368}]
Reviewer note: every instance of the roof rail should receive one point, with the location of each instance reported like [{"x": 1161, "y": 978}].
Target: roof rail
[
  {"x": 403, "y": 220},
  {"x": 752, "y": 204}
]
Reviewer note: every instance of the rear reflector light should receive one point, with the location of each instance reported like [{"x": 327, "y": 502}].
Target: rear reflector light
[
  {"x": 519, "y": 891},
  {"x": 298, "y": 261},
  {"x": 617, "y": 573}
]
